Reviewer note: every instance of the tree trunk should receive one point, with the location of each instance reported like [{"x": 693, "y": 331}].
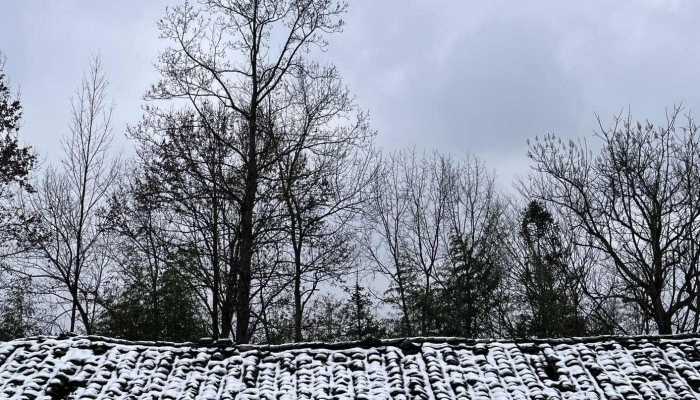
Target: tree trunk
[
  {"x": 665, "y": 326},
  {"x": 425, "y": 323},
  {"x": 227, "y": 309},
  {"x": 664, "y": 323},
  {"x": 72, "y": 314},
  {"x": 86, "y": 320},
  {"x": 247, "y": 239},
  {"x": 408, "y": 330},
  {"x": 243, "y": 303},
  {"x": 298, "y": 317},
  {"x": 216, "y": 285}
]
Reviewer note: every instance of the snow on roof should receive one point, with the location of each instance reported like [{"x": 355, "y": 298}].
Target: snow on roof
[{"x": 420, "y": 368}]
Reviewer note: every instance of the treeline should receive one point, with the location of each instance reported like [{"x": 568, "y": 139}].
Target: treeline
[{"x": 257, "y": 208}]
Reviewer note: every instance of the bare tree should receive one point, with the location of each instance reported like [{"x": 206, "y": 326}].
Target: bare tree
[
  {"x": 144, "y": 249},
  {"x": 224, "y": 52},
  {"x": 428, "y": 188},
  {"x": 325, "y": 170},
  {"x": 186, "y": 172},
  {"x": 70, "y": 257},
  {"x": 471, "y": 279},
  {"x": 384, "y": 238},
  {"x": 635, "y": 201},
  {"x": 433, "y": 231}
]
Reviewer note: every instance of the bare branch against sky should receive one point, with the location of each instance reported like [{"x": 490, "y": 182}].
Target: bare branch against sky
[{"x": 458, "y": 76}]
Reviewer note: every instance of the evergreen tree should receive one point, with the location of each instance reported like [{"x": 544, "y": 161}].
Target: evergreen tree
[
  {"x": 16, "y": 163},
  {"x": 176, "y": 316},
  {"x": 17, "y": 312},
  {"x": 362, "y": 311},
  {"x": 330, "y": 319},
  {"x": 549, "y": 287},
  {"x": 467, "y": 299},
  {"x": 327, "y": 321}
]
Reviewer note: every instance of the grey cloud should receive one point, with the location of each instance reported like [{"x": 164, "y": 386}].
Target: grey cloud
[{"x": 461, "y": 76}]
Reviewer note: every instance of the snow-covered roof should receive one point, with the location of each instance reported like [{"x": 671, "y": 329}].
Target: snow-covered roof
[{"x": 439, "y": 368}]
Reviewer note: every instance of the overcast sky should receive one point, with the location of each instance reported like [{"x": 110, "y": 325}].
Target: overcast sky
[{"x": 475, "y": 77}]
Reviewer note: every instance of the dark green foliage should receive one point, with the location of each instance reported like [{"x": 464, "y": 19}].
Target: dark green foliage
[
  {"x": 549, "y": 286},
  {"x": 16, "y": 162},
  {"x": 334, "y": 320},
  {"x": 363, "y": 314},
  {"x": 10, "y": 108},
  {"x": 412, "y": 295},
  {"x": 277, "y": 323},
  {"x": 330, "y": 319},
  {"x": 466, "y": 302},
  {"x": 17, "y": 312},
  {"x": 327, "y": 321},
  {"x": 173, "y": 314},
  {"x": 155, "y": 297}
]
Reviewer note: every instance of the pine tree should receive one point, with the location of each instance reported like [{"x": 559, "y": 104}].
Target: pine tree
[
  {"x": 553, "y": 305},
  {"x": 467, "y": 297},
  {"x": 177, "y": 316},
  {"x": 364, "y": 322}
]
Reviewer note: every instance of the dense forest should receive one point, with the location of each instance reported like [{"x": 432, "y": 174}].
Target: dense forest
[{"x": 257, "y": 207}]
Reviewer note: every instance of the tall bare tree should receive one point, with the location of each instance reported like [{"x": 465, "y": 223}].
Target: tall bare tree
[
  {"x": 384, "y": 237},
  {"x": 227, "y": 52},
  {"x": 428, "y": 187},
  {"x": 70, "y": 256},
  {"x": 154, "y": 297},
  {"x": 635, "y": 200},
  {"x": 471, "y": 279},
  {"x": 187, "y": 173},
  {"x": 434, "y": 231},
  {"x": 325, "y": 170}
]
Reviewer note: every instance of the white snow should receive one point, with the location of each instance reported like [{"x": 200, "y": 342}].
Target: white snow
[{"x": 442, "y": 369}]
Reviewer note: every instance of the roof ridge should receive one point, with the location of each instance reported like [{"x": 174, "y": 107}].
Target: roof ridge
[{"x": 366, "y": 343}]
